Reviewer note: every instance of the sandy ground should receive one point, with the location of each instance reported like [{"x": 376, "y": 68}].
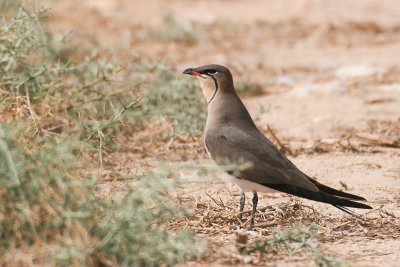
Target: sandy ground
[{"x": 330, "y": 72}]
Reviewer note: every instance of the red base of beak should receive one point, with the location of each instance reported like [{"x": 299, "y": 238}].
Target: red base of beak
[{"x": 195, "y": 73}]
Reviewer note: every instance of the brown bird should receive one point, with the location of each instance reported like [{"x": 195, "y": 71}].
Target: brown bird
[{"x": 232, "y": 138}]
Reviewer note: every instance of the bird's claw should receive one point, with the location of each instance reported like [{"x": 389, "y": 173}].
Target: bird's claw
[{"x": 251, "y": 227}]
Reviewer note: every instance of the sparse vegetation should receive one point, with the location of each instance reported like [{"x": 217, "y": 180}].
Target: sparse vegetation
[
  {"x": 9, "y": 4},
  {"x": 51, "y": 213},
  {"x": 294, "y": 241},
  {"x": 101, "y": 134},
  {"x": 177, "y": 99},
  {"x": 75, "y": 93}
]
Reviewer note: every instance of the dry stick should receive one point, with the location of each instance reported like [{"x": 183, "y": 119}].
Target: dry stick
[
  {"x": 378, "y": 140},
  {"x": 212, "y": 199},
  {"x": 57, "y": 126},
  {"x": 111, "y": 179},
  {"x": 390, "y": 130},
  {"x": 245, "y": 212},
  {"x": 386, "y": 212},
  {"x": 203, "y": 217},
  {"x": 309, "y": 207},
  {"x": 33, "y": 114},
  {"x": 115, "y": 118},
  {"x": 284, "y": 148},
  {"x": 352, "y": 148},
  {"x": 209, "y": 229},
  {"x": 216, "y": 202},
  {"x": 341, "y": 225},
  {"x": 266, "y": 224},
  {"x": 222, "y": 202}
]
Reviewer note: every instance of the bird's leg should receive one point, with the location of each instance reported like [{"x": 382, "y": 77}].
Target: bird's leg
[
  {"x": 241, "y": 208},
  {"x": 253, "y": 212}
]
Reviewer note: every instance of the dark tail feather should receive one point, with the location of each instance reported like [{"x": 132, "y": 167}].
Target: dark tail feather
[
  {"x": 344, "y": 209},
  {"x": 320, "y": 196},
  {"x": 335, "y": 192}
]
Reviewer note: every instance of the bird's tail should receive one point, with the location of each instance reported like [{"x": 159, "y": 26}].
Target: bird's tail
[
  {"x": 340, "y": 202},
  {"x": 333, "y": 191}
]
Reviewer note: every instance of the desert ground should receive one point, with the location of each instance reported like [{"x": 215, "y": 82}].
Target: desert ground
[{"x": 328, "y": 74}]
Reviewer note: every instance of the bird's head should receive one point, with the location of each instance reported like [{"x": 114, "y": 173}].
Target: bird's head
[{"x": 214, "y": 79}]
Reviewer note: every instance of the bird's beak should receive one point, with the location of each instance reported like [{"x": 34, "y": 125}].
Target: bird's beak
[{"x": 190, "y": 71}]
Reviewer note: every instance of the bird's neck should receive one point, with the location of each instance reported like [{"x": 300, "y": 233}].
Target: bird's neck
[{"x": 227, "y": 108}]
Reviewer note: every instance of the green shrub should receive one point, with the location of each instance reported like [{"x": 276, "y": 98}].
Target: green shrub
[
  {"x": 50, "y": 213},
  {"x": 175, "y": 98},
  {"x": 9, "y": 4},
  {"x": 50, "y": 208},
  {"x": 61, "y": 95}
]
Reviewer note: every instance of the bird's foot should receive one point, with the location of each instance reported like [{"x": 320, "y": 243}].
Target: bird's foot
[
  {"x": 251, "y": 227},
  {"x": 241, "y": 225},
  {"x": 235, "y": 228}
]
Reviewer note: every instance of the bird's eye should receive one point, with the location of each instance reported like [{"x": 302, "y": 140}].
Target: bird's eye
[{"x": 212, "y": 72}]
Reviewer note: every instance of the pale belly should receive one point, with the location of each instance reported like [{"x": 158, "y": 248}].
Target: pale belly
[{"x": 250, "y": 186}]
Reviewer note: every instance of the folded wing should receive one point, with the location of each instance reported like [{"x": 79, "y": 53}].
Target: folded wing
[{"x": 264, "y": 164}]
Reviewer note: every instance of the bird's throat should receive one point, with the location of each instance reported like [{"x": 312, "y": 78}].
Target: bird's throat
[{"x": 209, "y": 86}]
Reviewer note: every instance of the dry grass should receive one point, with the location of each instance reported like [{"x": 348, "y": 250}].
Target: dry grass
[
  {"x": 283, "y": 230},
  {"x": 61, "y": 114},
  {"x": 87, "y": 131},
  {"x": 379, "y": 134}
]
